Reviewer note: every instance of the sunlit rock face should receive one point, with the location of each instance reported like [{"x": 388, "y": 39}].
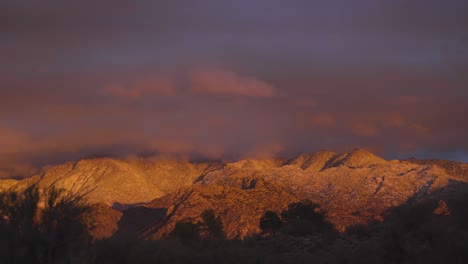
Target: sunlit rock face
[
  {"x": 351, "y": 188},
  {"x": 7, "y": 184},
  {"x": 112, "y": 181}
]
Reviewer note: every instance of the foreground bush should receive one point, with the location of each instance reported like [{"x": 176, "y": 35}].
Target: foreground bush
[
  {"x": 46, "y": 227},
  {"x": 210, "y": 228},
  {"x": 43, "y": 227}
]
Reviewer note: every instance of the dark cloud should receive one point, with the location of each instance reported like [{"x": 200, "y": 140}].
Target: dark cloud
[{"x": 230, "y": 78}]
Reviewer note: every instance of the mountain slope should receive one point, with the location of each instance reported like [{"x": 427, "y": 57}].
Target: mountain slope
[
  {"x": 355, "y": 159},
  {"x": 356, "y": 189},
  {"x": 240, "y": 209},
  {"x": 351, "y": 188},
  {"x": 111, "y": 181},
  {"x": 314, "y": 162},
  {"x": 456, "y": 169}
]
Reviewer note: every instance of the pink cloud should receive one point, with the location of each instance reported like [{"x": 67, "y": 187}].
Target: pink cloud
[
  {"x": 323, "y": 120},
  {"x": 269, "y": 150},
  {"x": 12, "y": 144},
  {"x": 159, "y": 85},
  {"x": 372, "y": 124},
  {"x": 365, "y": 130},
  {"x": 216, "y": 81},
  {"x": 398, "y": 121},
  {"x": 12, "y": 140}
]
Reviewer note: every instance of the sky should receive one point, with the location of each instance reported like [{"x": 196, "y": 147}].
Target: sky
[{"x": 221, "y": 79}]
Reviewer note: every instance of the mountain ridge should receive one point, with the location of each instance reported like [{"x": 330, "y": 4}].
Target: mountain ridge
[{"x": 351, "y": 188}]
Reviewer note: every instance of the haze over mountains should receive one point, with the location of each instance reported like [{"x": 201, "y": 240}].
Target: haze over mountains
[{"x": 352, "y": 188}]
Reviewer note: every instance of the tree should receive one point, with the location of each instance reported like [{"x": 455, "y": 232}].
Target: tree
[
  {"x": 18, "y": 230},
  {"x": 303, "y": 218},
  {"x": 62, "y": 225},
  {"x": 270, "y": 222},
  {"x": 185, "y": 231},
  {"x": 42, "y": 226},
  {"x": 213, "y": 223}
]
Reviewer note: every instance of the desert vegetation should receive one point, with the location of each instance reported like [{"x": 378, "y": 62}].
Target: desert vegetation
[
  {"x": 321, "y": 208},
  {"x": 49, "y": 226},
  {"x": 43, "y": 226}
]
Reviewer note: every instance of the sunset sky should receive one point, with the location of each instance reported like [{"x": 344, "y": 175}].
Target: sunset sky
[{"x": 231, "y": 79}]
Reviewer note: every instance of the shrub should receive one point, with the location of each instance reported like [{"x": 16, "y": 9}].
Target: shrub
[
  {"x": 270, "y": 222},
  {"x": 302, "y": 218},
  {"x": 185, "y": 231},
  {"x": 214, "y": 224},
  {"x": 42, "y": 227}
]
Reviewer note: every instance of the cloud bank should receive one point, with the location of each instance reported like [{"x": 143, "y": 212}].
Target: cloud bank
[{"x": 230, "y": 79}]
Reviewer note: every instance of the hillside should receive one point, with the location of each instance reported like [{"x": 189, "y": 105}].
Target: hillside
[
  {"x": 356, "y": 188},
  {"x": 454, "y": 168},
  {"x": 115, "y": 181},
  {"x": 352, "y": 188}
]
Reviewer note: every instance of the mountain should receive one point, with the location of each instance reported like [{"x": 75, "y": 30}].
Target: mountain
[
  {"x": 352, "y": 188},
  {"x": 314, "y": 162},
  {"x": 325, "y": 159},
  {"x": 116, "y": 181},
  {"x": 455, "y": 169},
  {"x": 7, "y": 184}
]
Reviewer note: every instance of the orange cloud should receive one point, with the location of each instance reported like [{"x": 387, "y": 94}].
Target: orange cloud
[
  {"x": 363, "y": 129},
  {"x": 10, "y": 169},
  {"x": 323, "y": 120},
  {"x": 13, "y": 141},
  {"x": 371, "y": 124},
  {"x": 146, "y": 86},
  {"x": 270, "y": 150},
  {"x": 216, "y": 81},
  {"x": 398, "y": 121}
]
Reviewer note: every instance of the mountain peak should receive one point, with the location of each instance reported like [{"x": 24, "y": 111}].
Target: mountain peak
[
  {"x": 313, "y": 162},
  {"x": 356, "y": 158}
]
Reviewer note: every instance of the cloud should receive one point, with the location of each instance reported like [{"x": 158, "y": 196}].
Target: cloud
[
  {"x": 371, "y": 125},
  {"x": 270, "y": 150},
  {"x": 12, "y": 141},
  {"x": 323, "y": 120},
  {"x": 84, "y": 78},
  {"x": 142, "y": 87},
  {"x": 398, "y": 121},
  {"x": 13, "y": 145},
  {"x": 217, "y": 81},
  {"x": 11, "y": 169},
  {"x": 365, "y": 130}
]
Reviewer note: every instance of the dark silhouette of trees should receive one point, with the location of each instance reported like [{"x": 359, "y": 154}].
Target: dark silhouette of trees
[
  {"x": 303, "y": 218},
  {"x": 214, "y": 224},
  {"x": 210, "y": 228},
  {"x": 18, "y": 230},
  {"x": 185, "y": 231},
  {"x": 42, "y": 226},
  {"x": 270, "y": 222},
  {"x": 300, "y": 219}
]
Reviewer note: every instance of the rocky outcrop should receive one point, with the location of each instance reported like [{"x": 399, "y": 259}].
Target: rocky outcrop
[
  {"x": 442, "y": 209},
  {"x": 7, "y": 184},
  {"x": 102, "y": 221}
]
